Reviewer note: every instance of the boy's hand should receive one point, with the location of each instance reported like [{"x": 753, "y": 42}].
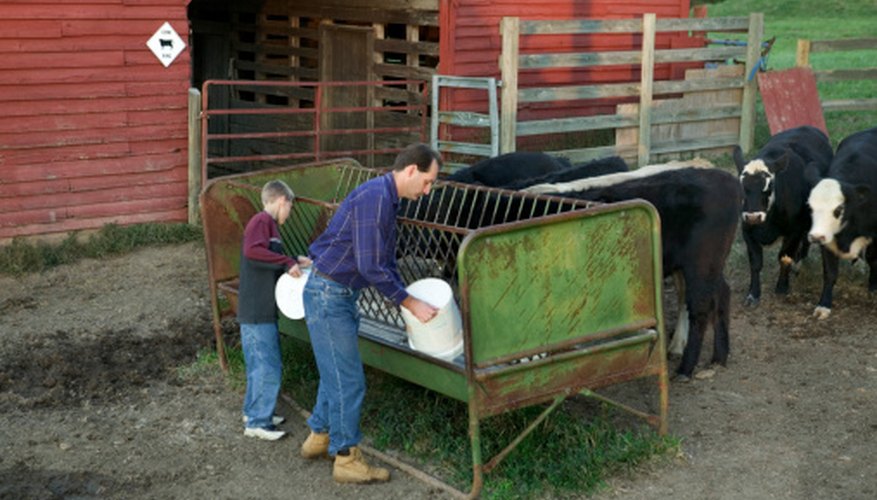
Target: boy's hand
[
  {"x": 294, "y": 271},
  {"x": 304, "y": 261}
]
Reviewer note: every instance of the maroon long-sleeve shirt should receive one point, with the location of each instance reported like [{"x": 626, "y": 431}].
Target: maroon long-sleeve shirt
[{"x": 262, "y": 262}]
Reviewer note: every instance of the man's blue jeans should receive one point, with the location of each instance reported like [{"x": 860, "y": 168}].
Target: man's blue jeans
[
  {"x": 261, "y": 344},
  {"x": 333, "y": 322}
]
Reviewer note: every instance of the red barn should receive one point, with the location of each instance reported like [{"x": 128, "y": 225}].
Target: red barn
[{"x": 94, "y": 128}]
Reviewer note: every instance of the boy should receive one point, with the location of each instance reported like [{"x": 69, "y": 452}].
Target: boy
[{"x": 262, "y": 262}]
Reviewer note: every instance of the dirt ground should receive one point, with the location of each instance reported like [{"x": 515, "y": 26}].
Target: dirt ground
[{"x": 96, "y": 402}]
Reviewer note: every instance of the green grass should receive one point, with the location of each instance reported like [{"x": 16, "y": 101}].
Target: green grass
[
  {"x": 22, "y": 256},
  {"x": 817, "y": 20},
  {"x": 566, "y": 454}
]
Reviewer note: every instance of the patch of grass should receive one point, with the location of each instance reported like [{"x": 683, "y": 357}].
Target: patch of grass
[
  {"x": 817, "y": 20},
  {"x": 565, "y": 454},
  {"x": 22, "y": 256},
  {"x": 206, "y": 361},
  {"x": 807, "y": 9}
]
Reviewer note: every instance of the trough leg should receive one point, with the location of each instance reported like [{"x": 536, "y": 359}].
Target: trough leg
[
  {"x": 663, "y": 380},
  {"x": 475, "y": 443},
  {"x": 217, "y": 329}
]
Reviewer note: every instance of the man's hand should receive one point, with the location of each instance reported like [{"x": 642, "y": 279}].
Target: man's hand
[
  {"x": 304, "y": 261},
  {"x": 420, "y": 309}
]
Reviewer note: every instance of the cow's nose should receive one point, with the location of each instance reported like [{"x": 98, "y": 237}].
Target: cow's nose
[
  {"x": 816, "y": 238},
  {"x": 751, "y": 218}
]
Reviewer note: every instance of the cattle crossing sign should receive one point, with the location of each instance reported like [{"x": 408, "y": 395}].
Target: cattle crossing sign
[{"x": 166, "y": 44}]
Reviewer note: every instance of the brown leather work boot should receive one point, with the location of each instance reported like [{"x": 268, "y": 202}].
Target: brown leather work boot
[
  {"x": 353, "y": 469},
  {"x": 316, "y": 446}
]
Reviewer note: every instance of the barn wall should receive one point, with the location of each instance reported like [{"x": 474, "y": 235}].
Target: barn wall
[
  {"x": 94, "y": 127},
  {"x": 471, "y": 46}
]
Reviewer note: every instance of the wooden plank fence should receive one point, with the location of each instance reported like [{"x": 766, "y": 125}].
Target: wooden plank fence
[
  {"x": 807, "y": 47},
  {"x": 512, "y": 62}
]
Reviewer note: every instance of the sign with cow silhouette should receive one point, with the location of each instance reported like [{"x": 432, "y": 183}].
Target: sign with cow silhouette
[{"x": 166, "y": 44}]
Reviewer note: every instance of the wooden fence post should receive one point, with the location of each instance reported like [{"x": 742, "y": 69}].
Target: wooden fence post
[
  {"x": 509, "y": 29},
  {"x": 194, "y": 154},
  {"x": 750, "y": 88},
  {"x": 802, "y": 55},
  {"x": 647, "y": 73}
]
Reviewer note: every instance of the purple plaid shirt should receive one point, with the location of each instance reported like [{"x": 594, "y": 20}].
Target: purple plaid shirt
[{"x": 358, "y": 248}]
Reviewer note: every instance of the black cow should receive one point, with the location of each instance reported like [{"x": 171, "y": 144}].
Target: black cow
[
  {"x": 775, "y": 200},
  {"x": 510, "y": 171},
  {"x": 699, "y": 209},
  {"x": 496, "y": 171},
  {"x": 844, "y": 211},
  {"x": 595, "y": 168}
]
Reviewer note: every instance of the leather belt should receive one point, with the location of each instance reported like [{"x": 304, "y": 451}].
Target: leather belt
[{"x": 323, "y": 275}]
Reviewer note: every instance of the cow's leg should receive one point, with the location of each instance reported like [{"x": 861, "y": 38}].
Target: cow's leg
[
  {"x": 700, "y": 297},
  {"x": 721, "y": 327},
  {"x": 756, "y": 262},
  {"x": 803, "y": 249},
  {"x": 698, "y": 316},
  {"x": 829, "y": 277},
  {"x": 871, "y": 258},
  {"x": 789, "y": 253},
  {"x": 680, "y": 334}
]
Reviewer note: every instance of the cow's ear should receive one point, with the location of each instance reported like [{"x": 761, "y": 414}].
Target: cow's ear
[
  {"x": 863, "y": 192},
  {"x": 738, "y": 158},
  {"x": 811, "y": 174},
  {"x": 781, "y": 163}
]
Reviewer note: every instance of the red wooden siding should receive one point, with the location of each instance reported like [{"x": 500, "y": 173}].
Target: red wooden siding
[
  {"x": 471, "y": 45},
  {"x": 94, "y": 127}
]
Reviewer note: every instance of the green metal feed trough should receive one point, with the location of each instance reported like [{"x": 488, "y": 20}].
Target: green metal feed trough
[{"x": 558, "y": 296}]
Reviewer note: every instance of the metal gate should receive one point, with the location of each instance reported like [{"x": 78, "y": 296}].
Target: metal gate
[
  {"x": 253, "y": 125},
  {"x": 466, "y": 119}
]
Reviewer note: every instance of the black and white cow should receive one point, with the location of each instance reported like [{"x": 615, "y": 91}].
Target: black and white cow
[
  {"x": 775, "y": 200},
  {"x": 844, "y": 211},
  {"x": 699, "y": 209}
]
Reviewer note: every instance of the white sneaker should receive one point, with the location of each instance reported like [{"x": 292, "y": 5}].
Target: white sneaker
[
  {"x": 276, "y": 419},
  {"x": 266, "y": 433}
]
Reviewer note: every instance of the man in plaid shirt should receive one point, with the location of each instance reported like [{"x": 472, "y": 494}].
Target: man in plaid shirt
[{"x": 357, "y": 250}]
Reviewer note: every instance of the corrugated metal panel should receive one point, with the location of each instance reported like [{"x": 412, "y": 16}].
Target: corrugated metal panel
[
  {"x": 94, "y": 127},
  {"x": 474, "y": 45}
]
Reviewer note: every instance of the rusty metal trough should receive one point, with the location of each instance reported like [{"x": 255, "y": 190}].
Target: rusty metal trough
[{"x": 572, "y": 288}]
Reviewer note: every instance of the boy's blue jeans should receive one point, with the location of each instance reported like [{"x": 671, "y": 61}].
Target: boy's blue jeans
[
  {"x": 333, "y": 323},
  {"x": 261, "y": 344}
]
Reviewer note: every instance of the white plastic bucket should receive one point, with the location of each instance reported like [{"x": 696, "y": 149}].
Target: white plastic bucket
[{"x": 442, "y": 336}]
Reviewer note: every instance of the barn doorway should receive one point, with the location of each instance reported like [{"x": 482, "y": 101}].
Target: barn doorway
[
  {"x": 290, "y": 60},
  {"x": 346, "y": 55}
]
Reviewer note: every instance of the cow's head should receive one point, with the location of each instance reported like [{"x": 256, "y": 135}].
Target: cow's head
[
  {"x": 758, "y": 178},
  {"x": 834, "y": 206}
]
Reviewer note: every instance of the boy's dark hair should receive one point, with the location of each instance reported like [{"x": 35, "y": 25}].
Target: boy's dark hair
[{"x": 418, "y": 154}]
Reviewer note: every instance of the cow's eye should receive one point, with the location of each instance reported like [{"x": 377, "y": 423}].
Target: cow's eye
[{"x": 838, "y": 212}]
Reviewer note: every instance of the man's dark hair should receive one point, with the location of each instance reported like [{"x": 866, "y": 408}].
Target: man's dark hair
[{"x": 419, "y": 154}]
